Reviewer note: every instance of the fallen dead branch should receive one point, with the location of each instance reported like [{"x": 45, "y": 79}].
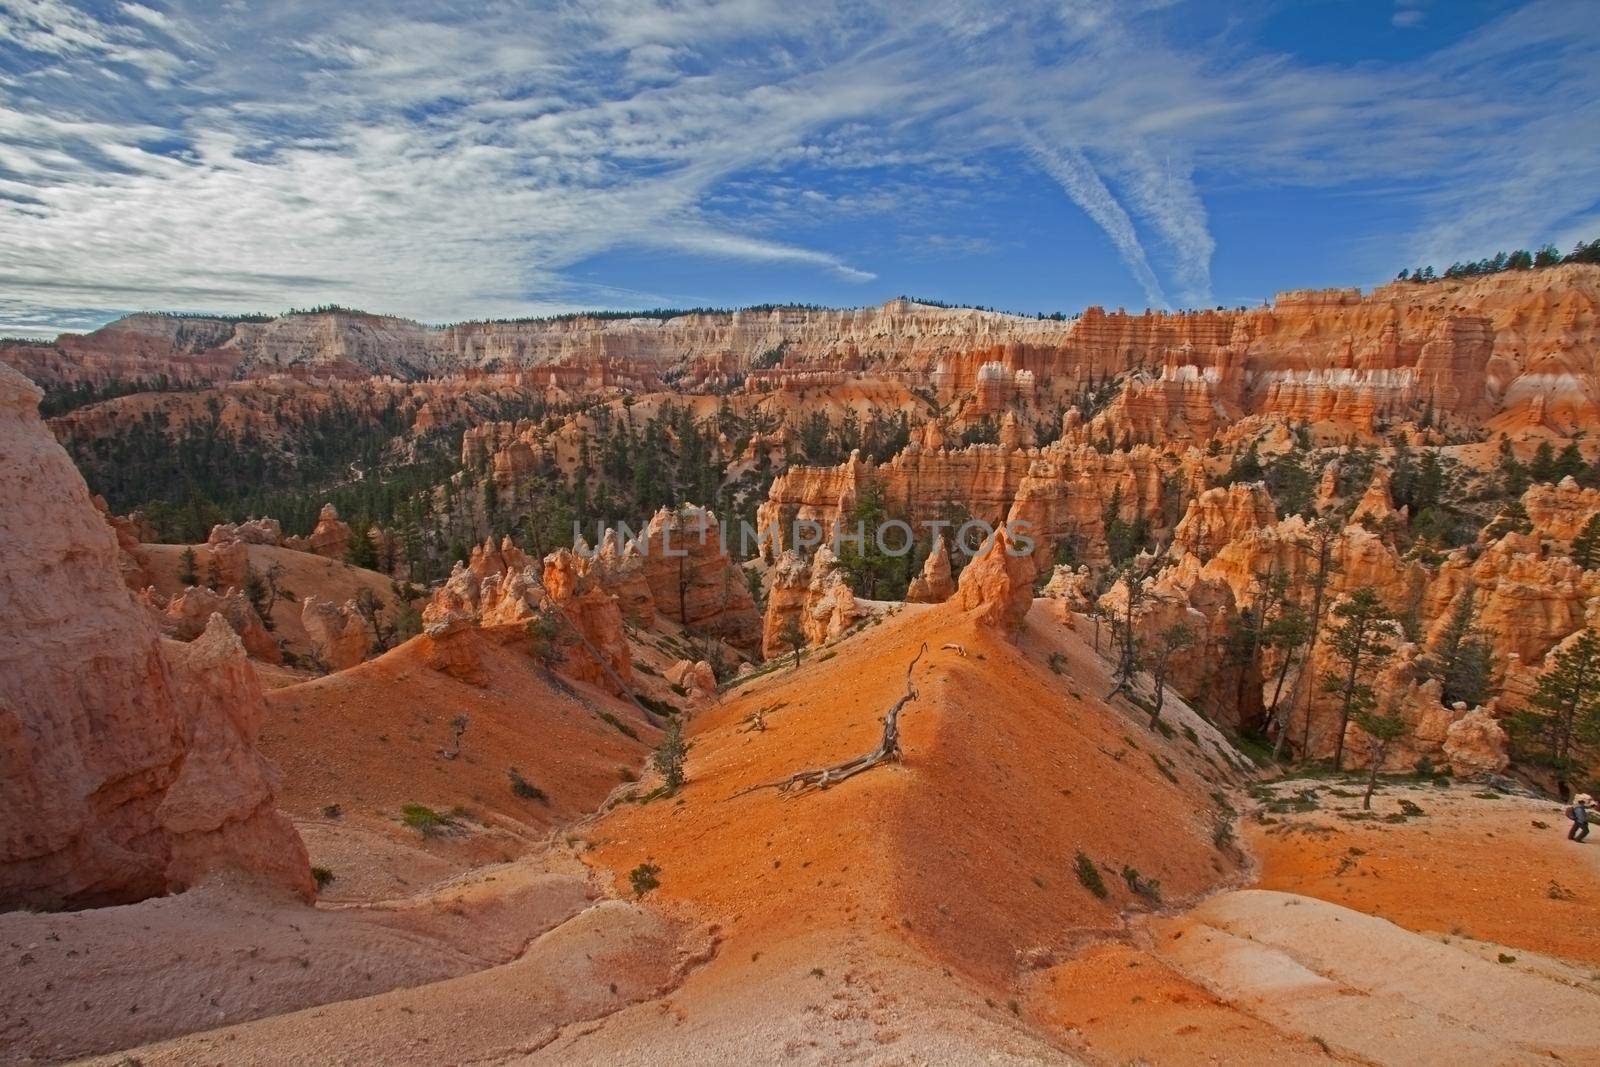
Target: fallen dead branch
[{"x": 888, "y": 750}]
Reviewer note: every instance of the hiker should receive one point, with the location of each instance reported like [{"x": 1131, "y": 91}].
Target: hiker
[{"x": 1578, "y": 812}]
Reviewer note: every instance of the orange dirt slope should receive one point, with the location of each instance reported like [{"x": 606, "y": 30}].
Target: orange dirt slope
[
  {"x": 373, "y": 738},
  {"x": 1469, "y": 866},
  {"x": 967, "y": 848}
]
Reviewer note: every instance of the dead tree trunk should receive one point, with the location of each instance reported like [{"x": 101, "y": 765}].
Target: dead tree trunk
[{"x": 888, "y": 750}]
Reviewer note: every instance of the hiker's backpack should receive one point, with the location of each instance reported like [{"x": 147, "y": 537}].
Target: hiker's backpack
[{"x": 1570, "y": 811}]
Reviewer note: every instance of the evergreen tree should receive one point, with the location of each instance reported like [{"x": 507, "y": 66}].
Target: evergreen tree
[
  {"x": 1570, "y": 463},
  {"x": 793, "y": 636},
  {"x": 874, "y": 573},
  {"x": 491, "y": 499},
  {"x": 1586, "y": 546},
  {"x": 1462, "y": 659},
  {"x": 1382, "y": 731},
  {"x": 1291, "y": 483},
  {"x": 544, "y": 640},
  {"x": 1245, "y": 467},
  {"x": 1325, "y": 533},
  {"x": 1285, "y": 634},
  {"x": 1119, "y": 533},
  {"x": 1130, "y": 650},
  {"x": 371, "y": 608},
  {"x": 187, "y": 573},
  {"x": 1513, "y": 518},
  {"x": 1168, "y": 643},
  {"x": 1562, "y": 720},
  {"x": 669, "y": 758},
  {"x": 1359, "y": 639},
  {"x": 260, "y": 597},
  {"x": 362, "y": 552},
  {"x": 1514, "y": 475},
  {"x": 1543, "y": 467}
]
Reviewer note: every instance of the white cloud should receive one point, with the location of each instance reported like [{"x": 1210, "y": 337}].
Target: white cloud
[
  {"x": 412, "y": 159},
  {"x": 1068, "y": 166}
]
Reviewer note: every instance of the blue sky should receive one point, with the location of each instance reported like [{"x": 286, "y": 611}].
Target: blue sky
[{"x": 452, "y": 161}]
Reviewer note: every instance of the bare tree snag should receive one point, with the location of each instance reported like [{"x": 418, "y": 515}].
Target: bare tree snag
[{"x": 888, "y": 750}]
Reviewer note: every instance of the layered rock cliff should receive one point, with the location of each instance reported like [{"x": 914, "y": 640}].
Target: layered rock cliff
[
  {"x": 129, "y": 765},
  {"x": 1516, "y": 347}
]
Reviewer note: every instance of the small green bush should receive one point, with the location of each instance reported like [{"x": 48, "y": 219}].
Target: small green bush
[
  {"x": 424, "y": 819},
  {"x": 643, "y": 878},
  {"x": 623, "y": 728},
  {"x": 525, "y": 789},
  {"x": 1148, "y": 888},
  {"x": 322, "y": 876},
  {"x": 1089, "y": 875}
]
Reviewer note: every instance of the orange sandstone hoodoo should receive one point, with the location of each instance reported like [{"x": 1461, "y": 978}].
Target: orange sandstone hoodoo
[{"x": 134, "y": 759}]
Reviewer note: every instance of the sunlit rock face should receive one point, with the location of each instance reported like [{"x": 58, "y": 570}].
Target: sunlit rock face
[{"x": 134, "y": 759}]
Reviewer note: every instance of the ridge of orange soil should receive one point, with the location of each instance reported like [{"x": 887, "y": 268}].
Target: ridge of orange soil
[
  {"x": 967, "y": 847},
  {"x": 370, "y": 740}
]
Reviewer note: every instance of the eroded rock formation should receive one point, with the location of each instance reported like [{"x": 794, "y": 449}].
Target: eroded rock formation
[
  {"x": 340, "y": 635},
  {"x": 185, "y": 616},
  {"x": 693, "y": 581},
  {"x": 997, "y": 586},
  {"x": 134, "y": 761},
  {"x": 934, "y": 584}
]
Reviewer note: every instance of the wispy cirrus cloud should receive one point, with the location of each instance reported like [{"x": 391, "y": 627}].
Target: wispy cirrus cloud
[
  {"x": 443, "y": 162},
  {"x": 1068, "y": 166}
]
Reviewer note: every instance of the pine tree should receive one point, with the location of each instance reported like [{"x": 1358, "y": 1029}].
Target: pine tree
[
  {"x": 1382, "y": 731},
  {"x": 1462, "y": 660},
  {"x": 1586, "y": 546},
  {"x": 255, "y": 588},
  {"x": 1286, "y": 635},
  {"x": 1360, "y": 640},
  {"x": 544, "y": 637},
  {"x": 795, "y": 638},
  {"x": 1325, "y": 534},
  {"x": 1168, "y": 643},
  {"x": 1562, "y": 719},
  {"x": 669, "y": 758},
  {"x": 187, "y": 573},
  {"x": 1130, "y": 650},
  {"x": 1119, "y": 533},
  {"x": 1569, "y": 463},
  {"x": 361, "y": 552},
  {"x": 874, "y": 573},
  {"x": 1543, "y": 467},
  {"x": 1513, "y": 474},
  {"x": 1513, "y": 518}
]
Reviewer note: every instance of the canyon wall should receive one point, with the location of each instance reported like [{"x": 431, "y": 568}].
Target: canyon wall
[
  {"x": 128, "y": 765},
  {"x": 1519, "y": 347}
]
